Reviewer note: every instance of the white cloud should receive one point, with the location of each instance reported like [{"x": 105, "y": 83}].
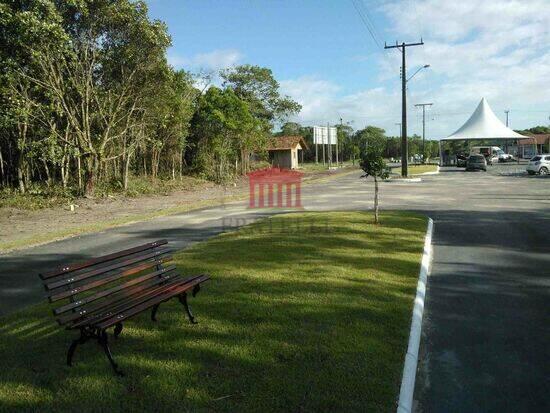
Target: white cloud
[
  {"x": 496, "y": 49},
  {"x": 210, "y": 61}
]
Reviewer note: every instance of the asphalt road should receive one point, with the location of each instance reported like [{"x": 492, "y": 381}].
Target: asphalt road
[{"x": 486, "y": 331}]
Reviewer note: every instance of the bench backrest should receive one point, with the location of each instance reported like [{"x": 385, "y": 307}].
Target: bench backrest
[{"x": 108, "y": 281}]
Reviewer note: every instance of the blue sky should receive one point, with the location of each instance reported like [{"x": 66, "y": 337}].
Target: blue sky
[{"x": 324, "y": 56}]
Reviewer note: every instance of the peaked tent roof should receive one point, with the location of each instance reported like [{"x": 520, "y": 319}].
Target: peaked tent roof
[{"x": 483, "y": 124}]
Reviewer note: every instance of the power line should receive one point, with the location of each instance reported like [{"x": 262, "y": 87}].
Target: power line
[
  {"x": 370, "y": 20},
  {"x": 366, "y": 22}
]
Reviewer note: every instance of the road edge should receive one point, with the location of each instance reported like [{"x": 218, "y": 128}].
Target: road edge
[
  {"x": 100, "y": 226},
  {"x": 406, "y": 391}
]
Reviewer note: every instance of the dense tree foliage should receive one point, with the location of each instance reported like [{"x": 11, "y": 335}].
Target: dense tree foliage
[
  {"x": 535, "y": 130},
  {"x": 87, "y": 96}
]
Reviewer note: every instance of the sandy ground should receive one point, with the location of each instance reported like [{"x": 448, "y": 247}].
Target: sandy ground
[{"x": 17, "y": 225}]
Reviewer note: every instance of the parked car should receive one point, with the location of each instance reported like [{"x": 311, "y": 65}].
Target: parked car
[
  {"x": 539, "y": 164},
  {"x": 476, "y": 163},
  {"x": 491, "y": 153},
  {"x": 461, "y": 161},
  {"x": 505, "y": 157}
]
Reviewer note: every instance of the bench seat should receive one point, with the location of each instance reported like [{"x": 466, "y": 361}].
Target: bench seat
[{"x": 106, "y": 291}]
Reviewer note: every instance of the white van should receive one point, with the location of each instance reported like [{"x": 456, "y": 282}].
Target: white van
[{"x": 491, "y": 153}]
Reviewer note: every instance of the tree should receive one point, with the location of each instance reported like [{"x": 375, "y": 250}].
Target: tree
[
  {"x": 535, "y": 130},
  {"x": 370, "y": 138},
  {"x": 373, "y": 165},
  {"x": 291, "y": 129},
  {"x": 224, "y": 133},
  {"x": 257, "y": 86}
]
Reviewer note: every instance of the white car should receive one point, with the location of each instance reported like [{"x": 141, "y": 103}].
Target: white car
[
  {"x": 505, "y": 157},
  {"x": 539, "y": 164}
]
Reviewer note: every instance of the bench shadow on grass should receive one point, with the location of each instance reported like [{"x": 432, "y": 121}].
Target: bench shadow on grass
[{"x": 281, "y": 329}]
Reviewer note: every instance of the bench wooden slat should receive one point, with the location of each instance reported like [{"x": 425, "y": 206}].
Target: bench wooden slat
[
  {"x": 80, "y": 265},
  {"x": 171, "y": 292},
  {"x": 105, "y": 293},
  {"x": 56, "y": 296},
  {"x": 131, "y": 302},
  {"x": 117, "y": 299},
  {"x": 98, "y": 271}
]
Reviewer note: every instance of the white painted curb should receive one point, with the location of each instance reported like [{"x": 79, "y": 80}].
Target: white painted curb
[
  {"x": 411, "y": 358},
  {"x": 404, "y": 180}
]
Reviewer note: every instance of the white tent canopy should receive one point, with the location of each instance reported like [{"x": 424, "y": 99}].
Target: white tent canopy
[{"x": 483, "y": 124}]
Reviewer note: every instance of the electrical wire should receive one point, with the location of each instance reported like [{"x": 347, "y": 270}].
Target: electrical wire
[{"x": 363, "y": 14}]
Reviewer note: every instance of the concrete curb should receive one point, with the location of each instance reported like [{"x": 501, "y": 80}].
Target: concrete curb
[
  {"x": 405, "y": 180},
  {"x": 411, "y": 358}
]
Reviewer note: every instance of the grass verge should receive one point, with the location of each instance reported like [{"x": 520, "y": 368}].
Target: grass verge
[
  {"x": 418, "y": 169},
  {"x": 43, "y": 238},
  {"x": 304, "y": 312}
]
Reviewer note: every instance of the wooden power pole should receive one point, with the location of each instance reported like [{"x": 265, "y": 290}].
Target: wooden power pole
[{"x": 404, "y": 144}]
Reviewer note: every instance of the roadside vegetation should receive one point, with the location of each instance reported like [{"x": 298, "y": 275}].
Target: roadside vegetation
[
  {"x": 89, "y": 106},
  {"x": 87, "y": 97},
  {"x": 320, "y": 300}
]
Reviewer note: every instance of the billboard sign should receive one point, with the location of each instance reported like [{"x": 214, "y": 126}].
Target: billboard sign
[{"x": 320, "y": 135}]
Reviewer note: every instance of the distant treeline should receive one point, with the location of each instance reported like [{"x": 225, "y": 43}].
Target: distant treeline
[
  {"x": 87, "y": 96},
  {"x": 353, "y": 143}
]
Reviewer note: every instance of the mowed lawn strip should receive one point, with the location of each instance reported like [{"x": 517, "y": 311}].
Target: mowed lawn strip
[
  {"x": 417, "y": 169},
  {"x": 304, "y": 312}
]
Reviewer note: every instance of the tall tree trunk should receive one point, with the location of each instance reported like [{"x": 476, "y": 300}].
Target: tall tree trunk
[
  {"x": 20, "y": 179},
  {"x": 376, "y": 220},
  {"x": 173, "y": 167},
  {"x": 47, "y": 170},
  {"x": 79, "y": 173},
  {"x": 3, "y": 181},
  {"x": 91, "y": 173},
  {"x": 126, "y": 171}
]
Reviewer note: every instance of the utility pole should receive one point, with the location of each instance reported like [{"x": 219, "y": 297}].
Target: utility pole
[
  {"x": 329, "y": 148},
  {"x": 404, "y": 145},
  {"x": 323, "y": 146},
  {"x": 316, "y": 152},
  {"x": 507, "y": 112},
  {"x": 337, "y": 146},
  {"x": 398, "y": 124},
  {"x": 423, "y": 128}
]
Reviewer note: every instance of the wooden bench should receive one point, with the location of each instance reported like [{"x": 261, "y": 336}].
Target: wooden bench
[{"x": 105, "y": 291}]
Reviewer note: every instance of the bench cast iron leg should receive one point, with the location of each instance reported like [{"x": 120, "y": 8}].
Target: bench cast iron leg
[
  {"x": 183, "y": 300},
  {"x": 80, "y": 340},
  {"x": 118, "y": 330},
  {"x": 104, "y": 342},
  {"x": 154, "y": 312}
]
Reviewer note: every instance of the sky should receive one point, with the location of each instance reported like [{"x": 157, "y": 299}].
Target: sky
[{"x": 329, "y": 55}]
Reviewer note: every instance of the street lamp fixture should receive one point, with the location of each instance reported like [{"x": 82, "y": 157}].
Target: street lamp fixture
[{"x": 418, "y": 70}]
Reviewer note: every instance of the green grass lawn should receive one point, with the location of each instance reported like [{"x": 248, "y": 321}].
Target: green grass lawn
[
  {"x": 304, "y": 312},
  {"x": 417, "y": 169}
]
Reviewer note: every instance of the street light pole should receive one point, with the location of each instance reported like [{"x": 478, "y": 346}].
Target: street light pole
[
  {"x": 399, "y": 124},
  {"x": 404, "y": 144},
  {"x": 423, "y": 128}
]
